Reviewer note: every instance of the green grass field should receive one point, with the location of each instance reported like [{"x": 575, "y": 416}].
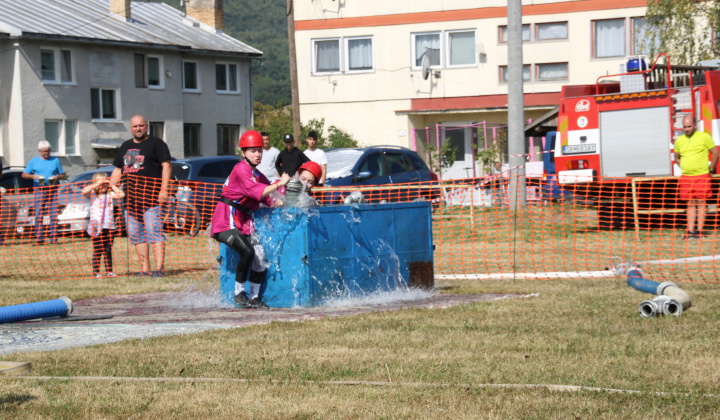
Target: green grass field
[
  {"x": 474, "y": 361},
  {"x": 576, "y": 349}
]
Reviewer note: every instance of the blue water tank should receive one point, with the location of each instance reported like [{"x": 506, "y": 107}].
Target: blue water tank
[
  {"x": 635, "y": 64},
  {"x": 338, "y": 252}
]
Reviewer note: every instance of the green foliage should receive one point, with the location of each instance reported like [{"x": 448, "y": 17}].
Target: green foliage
[
  {"x": 275, "y": 121},
  {"x": 262, "y": 25},
  {"x": 494, "y": 151},
  {"x": 685, "y": 28},
  {"x": 278, "y": 121},
  {"x": 336, "y": 137},
  {"x": 445, "y": 159}
]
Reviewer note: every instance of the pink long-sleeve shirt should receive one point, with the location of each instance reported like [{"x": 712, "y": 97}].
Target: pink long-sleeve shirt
[{"x": 245, "y": 185}]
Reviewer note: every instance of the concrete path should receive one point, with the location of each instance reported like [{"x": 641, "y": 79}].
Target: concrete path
[{"x": 159, "y": 314}]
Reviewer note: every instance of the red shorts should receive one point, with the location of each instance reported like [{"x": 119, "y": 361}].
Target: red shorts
[{"x": 695, "y": 186}]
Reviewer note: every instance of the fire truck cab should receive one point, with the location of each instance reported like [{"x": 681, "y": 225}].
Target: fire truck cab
[{"x": 624, "y": 125}]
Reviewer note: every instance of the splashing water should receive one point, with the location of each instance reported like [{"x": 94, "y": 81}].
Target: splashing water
[
  {"x": 203, "y": 292},
  {"x": 381, "y": 298}
]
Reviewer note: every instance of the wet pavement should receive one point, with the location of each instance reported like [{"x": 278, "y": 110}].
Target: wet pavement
[{"x": 115, "y": 318}]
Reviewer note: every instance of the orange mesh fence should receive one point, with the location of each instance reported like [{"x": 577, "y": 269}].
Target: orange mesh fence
[{"x": 559, "y": 233}]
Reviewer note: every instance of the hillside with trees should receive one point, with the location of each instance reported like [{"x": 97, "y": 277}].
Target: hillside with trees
[{"x": 262, "y": 25}]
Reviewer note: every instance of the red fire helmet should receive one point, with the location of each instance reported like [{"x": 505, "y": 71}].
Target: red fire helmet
[
  {"x": 313, "y": 168},
  {"x": 250, "y": 138}
]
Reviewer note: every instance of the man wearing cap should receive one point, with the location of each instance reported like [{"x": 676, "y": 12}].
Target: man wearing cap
[
  {"x": 290, "y": 159},
  {"x": 316, "y": 155},
  {"x": 269, "y": 156}
]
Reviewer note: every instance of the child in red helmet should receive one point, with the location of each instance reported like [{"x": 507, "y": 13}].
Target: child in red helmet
[
  {"x": 232, "y": 223},
  {"x": 309, "y": 174}
]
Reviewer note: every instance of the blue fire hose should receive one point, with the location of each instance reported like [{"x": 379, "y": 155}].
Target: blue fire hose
[
  {"x": 59, "y": 307},
  {"x": 671, "y": 300}
]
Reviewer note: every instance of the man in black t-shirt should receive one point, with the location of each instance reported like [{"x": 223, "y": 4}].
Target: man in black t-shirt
[
  {"x": 290, "y": 159},
  {"x": 144, "y": 164}
]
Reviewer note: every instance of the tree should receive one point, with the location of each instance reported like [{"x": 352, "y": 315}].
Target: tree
[
  {"x": 277, "y": 121},
  {"x": 336, "y": 138},
  {"x": 685, "y": 29},
  {"x": 442, "y": 160},
  {"x": 494, "y": 151}
]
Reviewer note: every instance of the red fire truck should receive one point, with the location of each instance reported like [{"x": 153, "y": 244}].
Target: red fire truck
[{"x": 623, "y": 127}]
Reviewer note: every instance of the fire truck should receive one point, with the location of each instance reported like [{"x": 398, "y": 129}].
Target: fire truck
[{"x": 623, "y": 127}]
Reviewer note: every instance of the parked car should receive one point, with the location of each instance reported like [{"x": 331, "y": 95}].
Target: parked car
[
  {"x": 199, "y": 183},
  {"x": 377, "y": 165},
  {"x": 16, "y": 193},
  {"x": 73, "y": 207}
]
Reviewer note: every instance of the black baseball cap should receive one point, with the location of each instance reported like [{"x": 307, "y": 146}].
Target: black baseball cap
[{"x": 288, "y": 138}]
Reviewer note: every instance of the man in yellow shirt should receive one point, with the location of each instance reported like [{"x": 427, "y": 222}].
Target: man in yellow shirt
[{"x": 691, "y": 153}]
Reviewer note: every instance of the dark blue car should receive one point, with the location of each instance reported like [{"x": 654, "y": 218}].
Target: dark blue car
[
  {"x": 377, "y": 165},
  {"x": 199, "y": 182}
]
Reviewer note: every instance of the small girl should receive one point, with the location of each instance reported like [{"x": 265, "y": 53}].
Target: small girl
[
  {"x": 101, "y": 214},
  {"x": 232, "y": 222}
]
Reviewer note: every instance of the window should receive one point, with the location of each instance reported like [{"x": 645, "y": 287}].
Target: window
[
  {"x": 397, "y": 163},
  {"x": 103, "y": 104},
  {"x": 426, "y": 44},
  {"x": 191, "y": 139},
  {"x": 525, "y": 34},
  {"x": 553, "y": 71},
  {"x": 359, "y": 54},
  {"x": 190, "y": 76},
  {"x": 157, "y": 129},
  {"x": 227, "y": 139},
  {"x": 226, "y": 78},
  {"x": 62, "y": 136},
  {"x": 551, "y": 31},
  {"x": 526, "y": 73},
  {"x": 148, "y": 71},
  {"x": 327, "y": 55},
  {"x": 609, "y": 38},
  {"x": 56, "y": 66},
  {"x": 339, "y": 55},
  {"x": 373, "y": 164},
  {"x": 461, "y": 48},
  {"x": 646, "y": 38}
]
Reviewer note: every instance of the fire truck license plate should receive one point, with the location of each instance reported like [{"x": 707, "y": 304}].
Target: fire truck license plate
[{"x": 576, "y": 149}]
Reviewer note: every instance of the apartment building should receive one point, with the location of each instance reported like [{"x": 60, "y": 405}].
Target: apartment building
[
  {"x": 74, "y": 72},
  {"x": 359, "y": 63}
]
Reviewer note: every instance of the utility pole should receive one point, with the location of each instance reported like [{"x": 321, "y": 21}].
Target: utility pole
[
  {"x": 293, "y": 73},
  {"x": 516, "y": 107}
]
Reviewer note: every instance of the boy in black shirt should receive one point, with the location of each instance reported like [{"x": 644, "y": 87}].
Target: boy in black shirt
[{"x": 290, "y": 159}]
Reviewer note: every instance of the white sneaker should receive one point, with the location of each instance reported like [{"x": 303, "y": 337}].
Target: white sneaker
[{"x": 111, "y": 274}]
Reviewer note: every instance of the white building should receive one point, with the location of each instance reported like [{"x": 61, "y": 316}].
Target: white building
[
  {"x": 359, "y": 63},
  {"x": 75, "y": 71}
]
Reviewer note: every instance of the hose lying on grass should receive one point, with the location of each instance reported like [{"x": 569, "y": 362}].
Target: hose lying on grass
[
  {"x": 671, "y": 300},
  {"x": 59, "y": 307}
]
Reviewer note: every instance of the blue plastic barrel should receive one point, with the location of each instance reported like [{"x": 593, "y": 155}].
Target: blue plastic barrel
[
  {"x": 16, "y": 313},
  {"x": 339, "y": 252}
]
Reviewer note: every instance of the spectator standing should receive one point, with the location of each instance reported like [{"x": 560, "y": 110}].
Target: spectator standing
[
  {"x": 144, "y": 160},
  {"x": 45, "y": 171},
  {"x": 269, "y": 156},
  {"x": 316, "y": 155},
  {"x": 290, "y": 159},
  {"x": 102, "y": 196},
  {"x": 691, "y": 153}
]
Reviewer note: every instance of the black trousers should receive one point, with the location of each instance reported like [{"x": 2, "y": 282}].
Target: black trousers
[
  {"x": 102, "y": 245},
  {"x": 241, "y": 244}
]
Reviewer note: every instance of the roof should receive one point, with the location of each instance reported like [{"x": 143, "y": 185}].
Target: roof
[{"x": 152, "y": 25}]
